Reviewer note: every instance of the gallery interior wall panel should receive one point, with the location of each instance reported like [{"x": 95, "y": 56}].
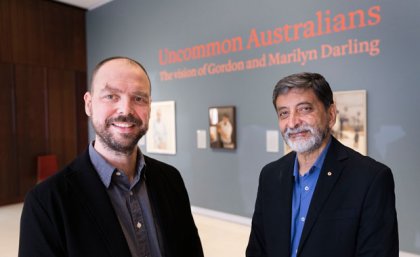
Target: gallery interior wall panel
[
  {"x": 28, "y": 46},
  {"x": 31, "y": 126},
  {"x": 63, "y": 32},
  {"x": 8, "y": 165},
  {"x": 81, "y": 117},
  {"x": 61, "y": 117},
  {"x": 5, "y": 32},
  {"x": 43, "y": 79}
]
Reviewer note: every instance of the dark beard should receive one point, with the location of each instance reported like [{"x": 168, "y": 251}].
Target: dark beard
[{"x": 106, "y": 137}]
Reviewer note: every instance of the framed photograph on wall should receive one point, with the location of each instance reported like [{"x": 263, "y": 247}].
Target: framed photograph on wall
[
  {"x": 222, "y": 127},
  {"x": 351, "y": 122},
  {"x": 160, "y": 137}
]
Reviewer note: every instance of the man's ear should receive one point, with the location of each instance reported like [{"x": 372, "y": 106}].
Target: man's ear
[
  {"x": 88, "y": 103},
  {"x": 332, "y": 113}
]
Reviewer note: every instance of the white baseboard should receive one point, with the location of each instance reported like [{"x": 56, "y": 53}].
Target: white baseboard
[
  {"x": 405, "y": 254},
  {"x": 221, "y": 215},
  {"x": 247, "y": 221}
]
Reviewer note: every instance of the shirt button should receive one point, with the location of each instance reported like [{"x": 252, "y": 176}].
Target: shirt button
[
  {"x": 302, "y": 219},
  {"x": 131, "y": 192},
  {"x": 118, "y": 173},
  {"x": 138, "y": 225},
  {"x": 306, "y": 188}
]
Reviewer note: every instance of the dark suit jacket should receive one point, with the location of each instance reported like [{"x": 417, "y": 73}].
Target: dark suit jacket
[
  {"x": 352, "y": 212},
  {"x": 70, "y": 214}
]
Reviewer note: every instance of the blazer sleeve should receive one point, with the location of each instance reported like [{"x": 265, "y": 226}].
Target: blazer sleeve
[
  {"x": 38, "y": 234},
  {"x": 378, "y": 231},
  {"x": 170, "y": 201},
  {"x": 256, "y": 242}
]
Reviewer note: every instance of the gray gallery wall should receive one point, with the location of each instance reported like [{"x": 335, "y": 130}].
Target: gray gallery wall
[{"x": 226, "y": 181}]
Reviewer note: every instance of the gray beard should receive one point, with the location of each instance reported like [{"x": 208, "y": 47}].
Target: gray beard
[{"x": 306, "y": 145}]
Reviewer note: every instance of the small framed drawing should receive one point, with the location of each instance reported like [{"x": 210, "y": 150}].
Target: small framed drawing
[
  {"x": 222, "y": 127},
  {"x": 160, "y": 137},
  {"x": 351, "y": 122}
]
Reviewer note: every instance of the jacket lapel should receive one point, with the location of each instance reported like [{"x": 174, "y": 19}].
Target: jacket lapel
[
  {"x": 90, "y": 191},
  {"x": 281, "y": 215},
  {"x": 330, "y": 173}
]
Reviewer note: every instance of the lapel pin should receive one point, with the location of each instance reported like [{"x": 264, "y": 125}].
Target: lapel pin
[{"x": 329, "y": 173}]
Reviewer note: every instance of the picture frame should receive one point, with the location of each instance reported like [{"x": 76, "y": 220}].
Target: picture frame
[
  {"x": 222, "y": 127},
  {"x": 161, "y": 136},
  {"x": 351, "y": 121}
]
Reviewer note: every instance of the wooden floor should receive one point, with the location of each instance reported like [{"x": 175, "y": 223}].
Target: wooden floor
[
  {"x": 9, "y": 229},
  {"x": 220, "y": 238}
]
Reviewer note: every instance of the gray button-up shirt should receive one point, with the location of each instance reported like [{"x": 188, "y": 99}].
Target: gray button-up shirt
[{"x": 131, "y": 204}]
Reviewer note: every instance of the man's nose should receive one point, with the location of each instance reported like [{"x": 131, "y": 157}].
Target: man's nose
[
  {"x": 293, "y": 120},
  {"x": 125, "y": 106}
]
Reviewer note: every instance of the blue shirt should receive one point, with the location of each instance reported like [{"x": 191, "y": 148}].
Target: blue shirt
[
  {"x": 131, "y": 204},
  {"x": 303, "y": 189}
]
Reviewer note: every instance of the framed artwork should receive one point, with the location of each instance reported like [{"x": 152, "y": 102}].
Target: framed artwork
[
  {"x": 160, "y": 137},
  {"x": 351, "y": 120},
  {"x": 222, "y": 127}
]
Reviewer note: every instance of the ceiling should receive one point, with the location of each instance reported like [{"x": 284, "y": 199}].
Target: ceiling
[{"x": 85, "y": 4}]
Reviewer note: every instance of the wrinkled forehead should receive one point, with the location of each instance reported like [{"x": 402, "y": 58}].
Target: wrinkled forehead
[{"x": 120, "y": 72}]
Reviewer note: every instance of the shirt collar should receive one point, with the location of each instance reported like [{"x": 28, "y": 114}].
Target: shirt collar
[
  {"x": 105, "y": 170},
  {"x": 317, "y": 164}
]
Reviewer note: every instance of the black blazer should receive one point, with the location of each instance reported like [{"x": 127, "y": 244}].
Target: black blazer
[
  {"x": 352, "y": 212},
  {"x": 70, "y": 214}
]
